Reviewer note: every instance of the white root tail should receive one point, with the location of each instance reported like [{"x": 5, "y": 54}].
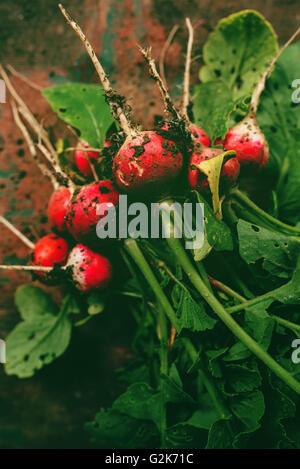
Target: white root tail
[
  {"x": 43, "y": 168},
  {"x": 262, "y": 82},
  {"x": 37, "y": 128},
  {"x": 116, "y": 109},
  {"x": 170, "y": 107},
  {"x": 32, "y": 268},
  {"x": 16, "y": 232},
  {"x": 164, "y": 52},
  {"x": 187, "y": 72}
]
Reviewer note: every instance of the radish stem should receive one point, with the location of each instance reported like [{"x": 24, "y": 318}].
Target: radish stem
[
  {"x": 284, "y": 228},
  {"x": 222, "y": 287},
  {"x": 136, "y": 254},
  {"x": 223, "y": 314}
]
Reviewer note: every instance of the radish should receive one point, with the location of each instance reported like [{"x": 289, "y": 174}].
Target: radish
[
  {"x": 196, "y": 131},
  {"x": 198, "y": 180},
  {"x": 246, "y": 138},
  {"x": 249, "y": 142},
  {"x": 146, "y": 160},
  {"x": 200, "y": 135},
  {"x": 107, "y": 144},
  {"x": 90, "y": 270},
  {"x": 218, "y": 142},
  {"x": 49, "y": 251},
  {"x": 57, "y": 208},
  {"x": 81, "y": 217},
  {"x": 82, "y": 158}
]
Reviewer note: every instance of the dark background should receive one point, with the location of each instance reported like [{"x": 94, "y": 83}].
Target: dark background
[{"x": 48, "y": 411}]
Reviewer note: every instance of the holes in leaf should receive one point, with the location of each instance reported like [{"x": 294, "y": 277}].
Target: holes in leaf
[
  {"x": 255, "y": 228},
  {"x": 239, "y": 82},
  {"x": 83, "y": 89},
  {"x": 43, "y": 357},
  {"x": 234, "y": 51},
  {"x": 62, "y": 109},
  {"x": 276, "y": 245},
  {"x": 273, "y": 129},
  {"x": 217, "y": 72},
  {"x": 32, "y": 336},
  {"x": 26, "y": 358},
  {"x": 232, "y": 70}
]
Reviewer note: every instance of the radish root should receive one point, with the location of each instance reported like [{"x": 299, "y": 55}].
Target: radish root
[
  {"x": 114, "y": 101},
  {"x": 187, "y": 72},
  {"x": 16, "y": 232}
]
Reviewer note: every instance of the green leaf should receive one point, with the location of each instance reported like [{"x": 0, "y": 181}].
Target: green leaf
[
  {"x": 239, "y": 51},
  {"x": 279, "y": 408},
  {"x": 279, "y": 118},
  {"x": 219, "y": 436},
  {"x": 173, "y": 392},
  {"x": 288, "y": 192},
  {"x": 259, "y": 324},
  {"x": 182, "y": 436},
  {"x": 113, "y": 429},
  {"x": 214, "y": 357},
  {"x": 32, "y": 301},
  {"x": 212, "y": 104},
  {"x": 96, "y": 304},
  {"x": 237, "y": 352},
  {"x": 82, "y": 106},
  {"x": 287, "y": 294},
  {"x": 140, "y": 401},
  {"x": 278, "y": 252},
  {"x": 192, "y": 315},
  {"x": 70, "y": 305},
  {"x": 206, "y": 414},
  {"x": 249, "y": 408},
  {"x": 212, "y": 169},
  {"x": 203, "y": 252},
  {"x": 37, "y": 342},
  {"x": 217, "y": 232},
  {"x": 240, "y": 378}
]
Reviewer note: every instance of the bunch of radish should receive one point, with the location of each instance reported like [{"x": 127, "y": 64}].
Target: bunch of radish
[{"x": 143, "y": 164}]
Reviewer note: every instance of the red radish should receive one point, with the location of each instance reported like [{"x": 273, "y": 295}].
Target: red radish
[
  {"x": 57, "y": 208},
  {"x": 218, "y": 141},
  {"x": 90, "y": 270},
  {"x": 198, "y": 181},
  {"x": 82, "y": 158},
  {"x": 146, "y": 159},
  {"x": 250, "y": 144},
  {"x": 82, "y": 215},
  {"x": 246, "y": 138},
  {"x": 200, "y": 135},
  {"x": 107, "y": 144},
  {"x": 50, "y": 250}
]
